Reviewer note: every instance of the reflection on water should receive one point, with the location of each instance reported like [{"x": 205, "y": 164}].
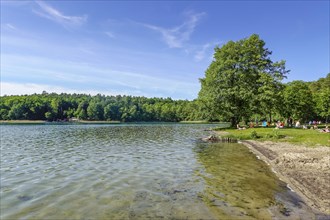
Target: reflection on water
[
  {"x": 126, "y": 172},
  {"x": 239, "y": 186},
  {"x": 236, "y": 179}
]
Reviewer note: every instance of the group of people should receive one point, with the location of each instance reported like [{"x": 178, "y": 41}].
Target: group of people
[
  {"x": 314, "y": 122},
  {"x": 280, "y": 124}
]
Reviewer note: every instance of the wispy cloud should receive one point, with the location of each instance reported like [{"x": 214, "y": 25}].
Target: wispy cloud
[
  {"x": 9, "y": 88},
  {"x": 55, "y": 15},
  {"x": 47, "y": 74},
  {"x": 175, "y": 37},
  {"x": 205, "y": 51},
  {"x": 110, "y": 34},
  {"x": 200, "y": 54},
  {"x": 11, "y": 27}
]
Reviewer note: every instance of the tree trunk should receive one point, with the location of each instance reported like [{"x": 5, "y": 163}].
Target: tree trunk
[{"x": 233, "y": 122}]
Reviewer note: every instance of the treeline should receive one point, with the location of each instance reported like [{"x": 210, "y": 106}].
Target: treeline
[
  {"x": 298, "y": 99},
  {"x": 53, "y": 107}
]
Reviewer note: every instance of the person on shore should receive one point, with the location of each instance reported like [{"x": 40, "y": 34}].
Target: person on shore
[
  {"x": 240, "y": 128},
  {"x": 325, "y": 130},
  {"x": 279, "y": 125},
  {"x": 297, "y": 124}
]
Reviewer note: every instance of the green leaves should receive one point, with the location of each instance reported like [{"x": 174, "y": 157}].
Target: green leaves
[
  {"x": 241, "y": 76},
  {"x": 298, "y": 100}
]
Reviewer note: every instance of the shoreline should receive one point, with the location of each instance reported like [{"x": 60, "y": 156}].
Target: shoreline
[
  {"x": 56, "y": 122},
  {"x": 305, "y": 170},
  {"x": 41, "y": 122}
]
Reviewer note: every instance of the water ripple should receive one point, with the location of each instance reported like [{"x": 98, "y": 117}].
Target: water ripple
[{"x": 100, "y": 171}]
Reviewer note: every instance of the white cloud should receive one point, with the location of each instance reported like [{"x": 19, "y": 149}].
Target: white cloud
[
  {"x": 8, "y": 88},
  {"x": 205, "y": 50},
  {"x": 175, "y": 37},
  {"x": 110, "y": 34},
  {"x": 58, "y": 17},
  {"x": 10, "y": 26},
  {"x": 201, "y": 53},
  {"x": 38, "y": 73}
]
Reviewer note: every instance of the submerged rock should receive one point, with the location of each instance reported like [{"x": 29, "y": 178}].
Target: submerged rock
[
  {"x": 211, "y": 138},
  {"x": 24, "y": 198},
  {"x": 214, "y": 138}
]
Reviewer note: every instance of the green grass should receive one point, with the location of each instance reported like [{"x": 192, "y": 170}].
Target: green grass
[{"x": 291, "y": 135}]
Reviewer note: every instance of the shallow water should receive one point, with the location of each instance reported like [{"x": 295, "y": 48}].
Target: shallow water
[{"x": 134, "y": 171}]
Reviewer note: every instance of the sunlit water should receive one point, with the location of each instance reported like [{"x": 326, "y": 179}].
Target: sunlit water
[{"x": 132, "y": 171}]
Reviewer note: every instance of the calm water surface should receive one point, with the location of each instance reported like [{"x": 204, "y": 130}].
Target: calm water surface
[{"x": 134, "y": 172}]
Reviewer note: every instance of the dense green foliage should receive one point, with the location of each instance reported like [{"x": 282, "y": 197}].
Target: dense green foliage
[
  {"x": 54, "y": 107},
  {"x": 242, "y": 82}
]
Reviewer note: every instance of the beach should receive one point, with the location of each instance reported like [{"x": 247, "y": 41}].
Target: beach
[{"x": 306, "y": 170}]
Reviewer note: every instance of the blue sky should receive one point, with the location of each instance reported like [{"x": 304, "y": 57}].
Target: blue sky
[{"x": 148, "y": 48}]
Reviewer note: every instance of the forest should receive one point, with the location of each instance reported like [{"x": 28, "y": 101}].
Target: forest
[
  {"x": 241, "y": 84},
  {"x": 54, "y": 107}
]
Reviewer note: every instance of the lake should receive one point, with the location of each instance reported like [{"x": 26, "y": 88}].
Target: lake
[{"x": 135, "y": 171}]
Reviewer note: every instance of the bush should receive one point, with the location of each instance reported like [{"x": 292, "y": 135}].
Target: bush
[
  {"x": 254, "y": 135},
  {"x": 269, "y": 136},
  {"x": 276, "y": 134}
]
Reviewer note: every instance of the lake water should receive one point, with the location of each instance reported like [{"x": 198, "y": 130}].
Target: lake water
[{"x": 135, "y": 171}]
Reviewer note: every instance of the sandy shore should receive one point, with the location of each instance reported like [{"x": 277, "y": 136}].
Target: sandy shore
[{"x": 305, "y": 169}]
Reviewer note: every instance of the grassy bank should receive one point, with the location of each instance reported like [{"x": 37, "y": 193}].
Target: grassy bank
[{"x": 291, "y": 135}]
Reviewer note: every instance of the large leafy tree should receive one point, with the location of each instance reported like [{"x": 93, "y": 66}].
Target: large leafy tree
[
  {"x": 298, "y": 100},
  {"x": 233, "y": 82},
  {"x": 321, "y": 95},
  {"x": 270, "y": 90},
  {"x": 322, "y": 100}
]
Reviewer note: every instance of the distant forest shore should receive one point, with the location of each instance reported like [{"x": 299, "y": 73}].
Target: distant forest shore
[
  {"x": 94, "y": 122},
  {"x": 65, "y": 107}
]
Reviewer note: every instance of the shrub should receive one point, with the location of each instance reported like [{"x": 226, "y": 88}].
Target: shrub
[
  {"x": 276, "y": 134},
  {"x": 254, "y": 135}
]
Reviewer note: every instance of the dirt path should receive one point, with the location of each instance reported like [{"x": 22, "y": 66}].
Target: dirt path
[{"x": 305, "y": 169}]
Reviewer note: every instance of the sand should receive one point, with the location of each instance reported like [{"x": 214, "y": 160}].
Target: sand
[{"x": 306, "y": 170}]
